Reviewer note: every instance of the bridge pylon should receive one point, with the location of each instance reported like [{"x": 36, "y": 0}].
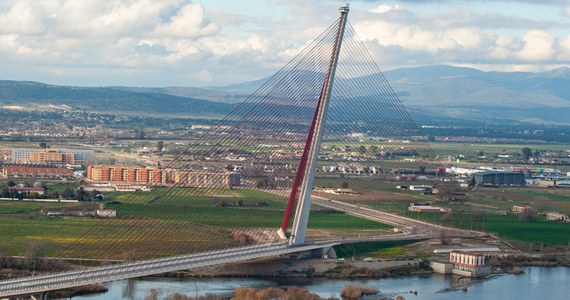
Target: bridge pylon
[{"x": 303, "y": 183}]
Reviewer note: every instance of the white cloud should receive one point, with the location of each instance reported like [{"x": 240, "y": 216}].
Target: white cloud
[
  {"x": 538, "y": 45},
  {"x": 565, "y": 49},
  {"x": 567, "y": 11},
  {"x": 190, "y": 22},
  {"x": 188, "y": 42},
  {"x": 417, "y": 38},
  {"x": 384, "y": 8},
  {"x": 504, "y": 47},
  {"x": 94, "y": 32},
  {"x": 24, "y": 17}
]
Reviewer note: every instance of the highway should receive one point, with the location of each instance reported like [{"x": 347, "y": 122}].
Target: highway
[{"x": 408, "y": 225}]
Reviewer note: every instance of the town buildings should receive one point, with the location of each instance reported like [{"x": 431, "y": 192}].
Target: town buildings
[
  {"x": 201, "y": 179},
  {"x": 125, "y": 174},
  {"x": 157, "y": 176},
  {"x": 36, "y": 171},
  {"x": 57, "y": 156}
]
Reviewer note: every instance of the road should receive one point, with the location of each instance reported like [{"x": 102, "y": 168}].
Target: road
[{"x": 408, "y": 225}]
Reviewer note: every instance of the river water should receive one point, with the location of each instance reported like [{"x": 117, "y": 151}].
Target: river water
[{"x": 536, "y": 283}]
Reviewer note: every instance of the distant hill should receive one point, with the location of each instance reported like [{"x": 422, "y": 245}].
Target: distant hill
[
  {"x": 476, "y": 95},
  {"x": 106, "y": 99},
  {"x": 430, "y": 93},
  {"x": 441, "y": 91}
]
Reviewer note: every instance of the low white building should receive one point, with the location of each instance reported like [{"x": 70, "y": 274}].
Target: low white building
[
  {"x": 420, "y": 187},
  {"x": 106, "y": 213},
  {"x": 428, "y": 208},
  {"x": 556, "y": 216},
  {"x": 341, "y": 191},
  {"x": 469, "y": 264}
]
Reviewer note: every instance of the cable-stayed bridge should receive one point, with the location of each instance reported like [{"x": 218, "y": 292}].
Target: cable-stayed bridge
[{"x": 333, "y": 132}]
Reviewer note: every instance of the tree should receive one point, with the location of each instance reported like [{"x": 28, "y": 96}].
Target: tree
[
  {"x": 479, "y": 216},
  {"x": 39, "y": 184},
  {"x": 95, "y": 194},
  {"x": 68, "y": 192},
  {"x": 525, "y": 215},
  {"x": 422, "y": 169},
  {"x": 81, "y": 195},
  {"x": 526, "y": 152},
  {"x": 375, "y": 149},
  {"x": 6, "y": 193},
  {"x": 536, "y": 154},
  {"x": 139, "y": 134},
  {"x": 160, "y": 146},
  {"x": 54, "y": 195},
  {"x": 480, "y": 153},
  {"x": 345, "y": 184},
  {"x": 34, "y": 255},
  {"x": 542, "y": 207},
  {"x": 444, "y": 238},
  {"x": 43, "y": 145},
  {"x": 362, "y": 149}
]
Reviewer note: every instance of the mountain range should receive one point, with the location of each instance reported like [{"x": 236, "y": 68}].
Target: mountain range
[{"x": 430, "y": 93}]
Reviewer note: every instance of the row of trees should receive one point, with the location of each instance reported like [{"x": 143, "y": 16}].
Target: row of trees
[
  {"x": 34, "y": 259},
  {"x": 526, "y": 153},
  {"x": 67, "y": 193}
]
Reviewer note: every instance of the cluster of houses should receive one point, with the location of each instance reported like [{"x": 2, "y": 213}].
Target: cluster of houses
[
  {"x": 550, "y": 216},
  {"x": 99, "y": 213}
]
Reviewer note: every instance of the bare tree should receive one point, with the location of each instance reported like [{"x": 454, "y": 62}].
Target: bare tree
[
  {"x": 444, "y": 238},
  {"x": 542, "y": 204},
  {"x": 525, "y": 215},
  {"x": 34, "y": 255},
  {"x": 479, "y": 216},
  {"x": 6, "y": 260}
]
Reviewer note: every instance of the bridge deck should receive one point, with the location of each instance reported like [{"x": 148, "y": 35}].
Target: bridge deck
[{"x": 43, "y": 283}]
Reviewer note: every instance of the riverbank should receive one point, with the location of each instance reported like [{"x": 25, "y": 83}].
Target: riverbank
[
  {"x": 535, "y": 283},
  {"x": 316, "y": 267}
]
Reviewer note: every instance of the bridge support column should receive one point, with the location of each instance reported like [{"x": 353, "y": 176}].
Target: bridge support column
[
  {"x": 314, "y": 142},
  {"x": 42, "y": 296},
  {"x": 326, "y": 252}
]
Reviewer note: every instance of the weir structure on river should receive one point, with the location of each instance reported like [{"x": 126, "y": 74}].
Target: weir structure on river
[{"x": 326, "y": 129}]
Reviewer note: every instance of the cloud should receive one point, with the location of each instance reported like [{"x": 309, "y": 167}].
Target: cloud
[
  {"x": 184, "y": 42},
  {"x": 567, "y": 11},
  {"x": 418, "y": 38},
  {"x": 189, "y": 22},
  {"x": 25, "y": 18},
  {"x": 565, "y": 48},
  {"x": 538, "y": 45},
  {"x": 383, "y": 8},
  {"x": 112, "y": 34}
]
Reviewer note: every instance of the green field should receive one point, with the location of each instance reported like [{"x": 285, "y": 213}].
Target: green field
[
  {"x": 507, "y": 227},
  {"x": 153, "y": 222},
  {"x": 374, "y": 249}
]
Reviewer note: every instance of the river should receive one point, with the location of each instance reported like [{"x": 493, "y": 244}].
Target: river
[{"x": 536, "y": 283}]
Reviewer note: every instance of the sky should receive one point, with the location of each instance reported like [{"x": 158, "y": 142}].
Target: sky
[{"x": 219, "y": 42}]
